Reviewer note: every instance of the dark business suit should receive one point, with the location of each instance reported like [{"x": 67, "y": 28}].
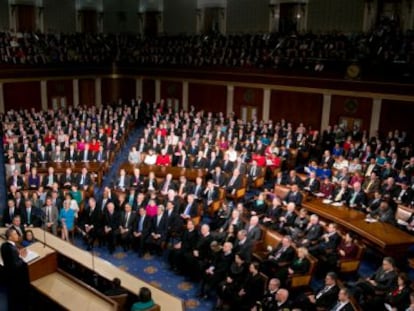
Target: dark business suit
[
  {"x": 110, "y": 221},
  {"x": 279, "y": 257},
  {"x": 91, "y": 218},
  {"x": 158, "y": 226},
  {"x": 295, "y": 197},
  {"x": 17, "y": 276},
  {"x": 127, "y": 223},
  {"x": 139, "y": 242}
]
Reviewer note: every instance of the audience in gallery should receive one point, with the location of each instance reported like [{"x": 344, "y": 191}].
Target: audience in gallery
[
  {"x": 385, "y": 45},
  {"x": 140, "y": 213}
]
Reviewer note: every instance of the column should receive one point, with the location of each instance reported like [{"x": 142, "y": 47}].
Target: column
[
  {"x": 185, "y": 95},
  {"x": 370, "y": 14},
  {"x": 375, "y": 116},
  {"x": 230, "y": 99},
  {"x": 43, "y": 94},
  {"x": 98, "y": 92},
  {"x": 302, "y": 17},
  {"x": 407, "y": 15},
  {"x": 2, "y": 108},
  {"x": 75, "y": 92},
  {"x": 223, "y": 21},
  {"x": 160, "y": 19},
  {"x": 157, "y": 91},
  {"x": 138, "y": 88},
  {"x": 40, "y": 18},
  {"x": 274, "y": 17},
  {"x": 12, "y": 17},
  {"x": 266, "y": 104},
  {"x": 326, "y": 111},
  {"x": 199, "y": 21}
]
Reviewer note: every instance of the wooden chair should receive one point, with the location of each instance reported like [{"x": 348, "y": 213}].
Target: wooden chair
[
  {"x": 303, "y": 280},
  {"x": 269, "y": 238},
  {"x": 215, "y": 206},
  {"x": 120, "y": 300},
  {"x": 352, "y": 265}
]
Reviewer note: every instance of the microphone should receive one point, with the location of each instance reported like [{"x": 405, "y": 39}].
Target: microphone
[{"x": 44, "y": 228}]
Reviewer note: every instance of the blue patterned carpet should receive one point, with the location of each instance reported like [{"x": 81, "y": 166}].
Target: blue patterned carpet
[{"x": 154, "y": 270}]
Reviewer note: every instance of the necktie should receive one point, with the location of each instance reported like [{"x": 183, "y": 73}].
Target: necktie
[
  {"x": 126, "y": 220},
  {"x": 11, "y": 213},
  {"x": 28, "y": 211},
  {"x": 323, "y": 291},
  {"x": 353, "y": 198},
  {"x": 85, "y": 157},
  {"x": 187, "y": 209},
  {"x": 158, "y": 220},
  {"x": 141, "y": 224},
  {"x": 48, "y": 214},
  {"x": 83, "y": 180}
]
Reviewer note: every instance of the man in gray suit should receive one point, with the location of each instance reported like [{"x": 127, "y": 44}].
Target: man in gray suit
[{"x": 51, "y": 215}]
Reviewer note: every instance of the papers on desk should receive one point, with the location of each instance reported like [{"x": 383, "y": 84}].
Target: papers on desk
[
  {"x": 337, "y": 204},
  {"x": 370, "y": 220},
  {"x": 402, "y": 222},
  {"x": 319, "y": 195},
  {"x": 31, "y": 255},
  {"x": 326, "y": 201}
]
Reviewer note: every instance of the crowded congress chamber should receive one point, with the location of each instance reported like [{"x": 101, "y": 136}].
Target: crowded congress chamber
[{"x": 224, "y": 155}]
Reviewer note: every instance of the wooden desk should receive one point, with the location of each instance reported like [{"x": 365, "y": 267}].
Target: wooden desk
[
  {"x": 60, "y": 168},
  {"x": 385, "y": 237},
  {"x": 162, "y": 171},
  {"x": 109, "y": 271},
  {"x": 70, "y": 294}
]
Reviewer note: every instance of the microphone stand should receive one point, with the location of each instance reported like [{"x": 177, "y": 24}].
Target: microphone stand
[{"x": 95, "y": 279}]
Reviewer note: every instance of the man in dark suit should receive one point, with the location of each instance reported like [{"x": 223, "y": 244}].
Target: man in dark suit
[
  {"x": 243, "y": 245},
  {"x": 212, "y": 162},
  {"x": 254, "y": 233},
  {"x": 84, "y": 179},
  {"x": 328, "y": 242},
  {"x": 150, "y": 184},
  {"x": 198, "y": 188},
  {"x": 91, "y": 221},
  {"x": 200, "y": 161},
  {"x": 312, "y": 232},
  {"x": 343, "y": 303},
  {"x": 86, "y": 155},
  {"x": 110, "y": 225},
  {"x": 16, "y": 272},
  {"x": 100, "y": 155},
  {"x": 281, "y": 256},
  {"x": 126, "y": 226},
  {"x": 293, "y": 196},
  {"x": 404, "y": 194},
  {"x": 31, "y": 216},
  {"x": 15, "y": 180},
  {"x": 158, "y": 234},
  {"x": 67, "y": 179},
  {"x": 10, "y": 212},
  {"x": 357, "y": 197},
  {"x": 327, "y": 296},
  {"x": 174, "y": 222},
  {"x": 210, "y": 194},
  {"x": 123, "y": 181},
  {"x": 253, "y": 172},
  {"x": 190, "y": 210},
  {"x": 43, "y": 155},
  {"x": 184, "y": 245},
  {"x": 71, "y": 155},
  {"x": 312, "y": 183},
  {"x": 227, "y": 165},
  {"x": 234, "y": 183},
  {"x": 50, "y": 178},
  {"x": 218, "y": 177},
  {"x": 141, "y": 231}
]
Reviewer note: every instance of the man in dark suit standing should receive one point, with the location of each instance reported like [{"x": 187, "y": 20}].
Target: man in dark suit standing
[
  {"x": 110, "y": 225},
  {"x": 91, "y": 220},
  {"x": 126, "y": 226},
  {"x": 16, "y": 272},
  {"x": 141, "y": 231},
  {"x": 158, "y": 233}
]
